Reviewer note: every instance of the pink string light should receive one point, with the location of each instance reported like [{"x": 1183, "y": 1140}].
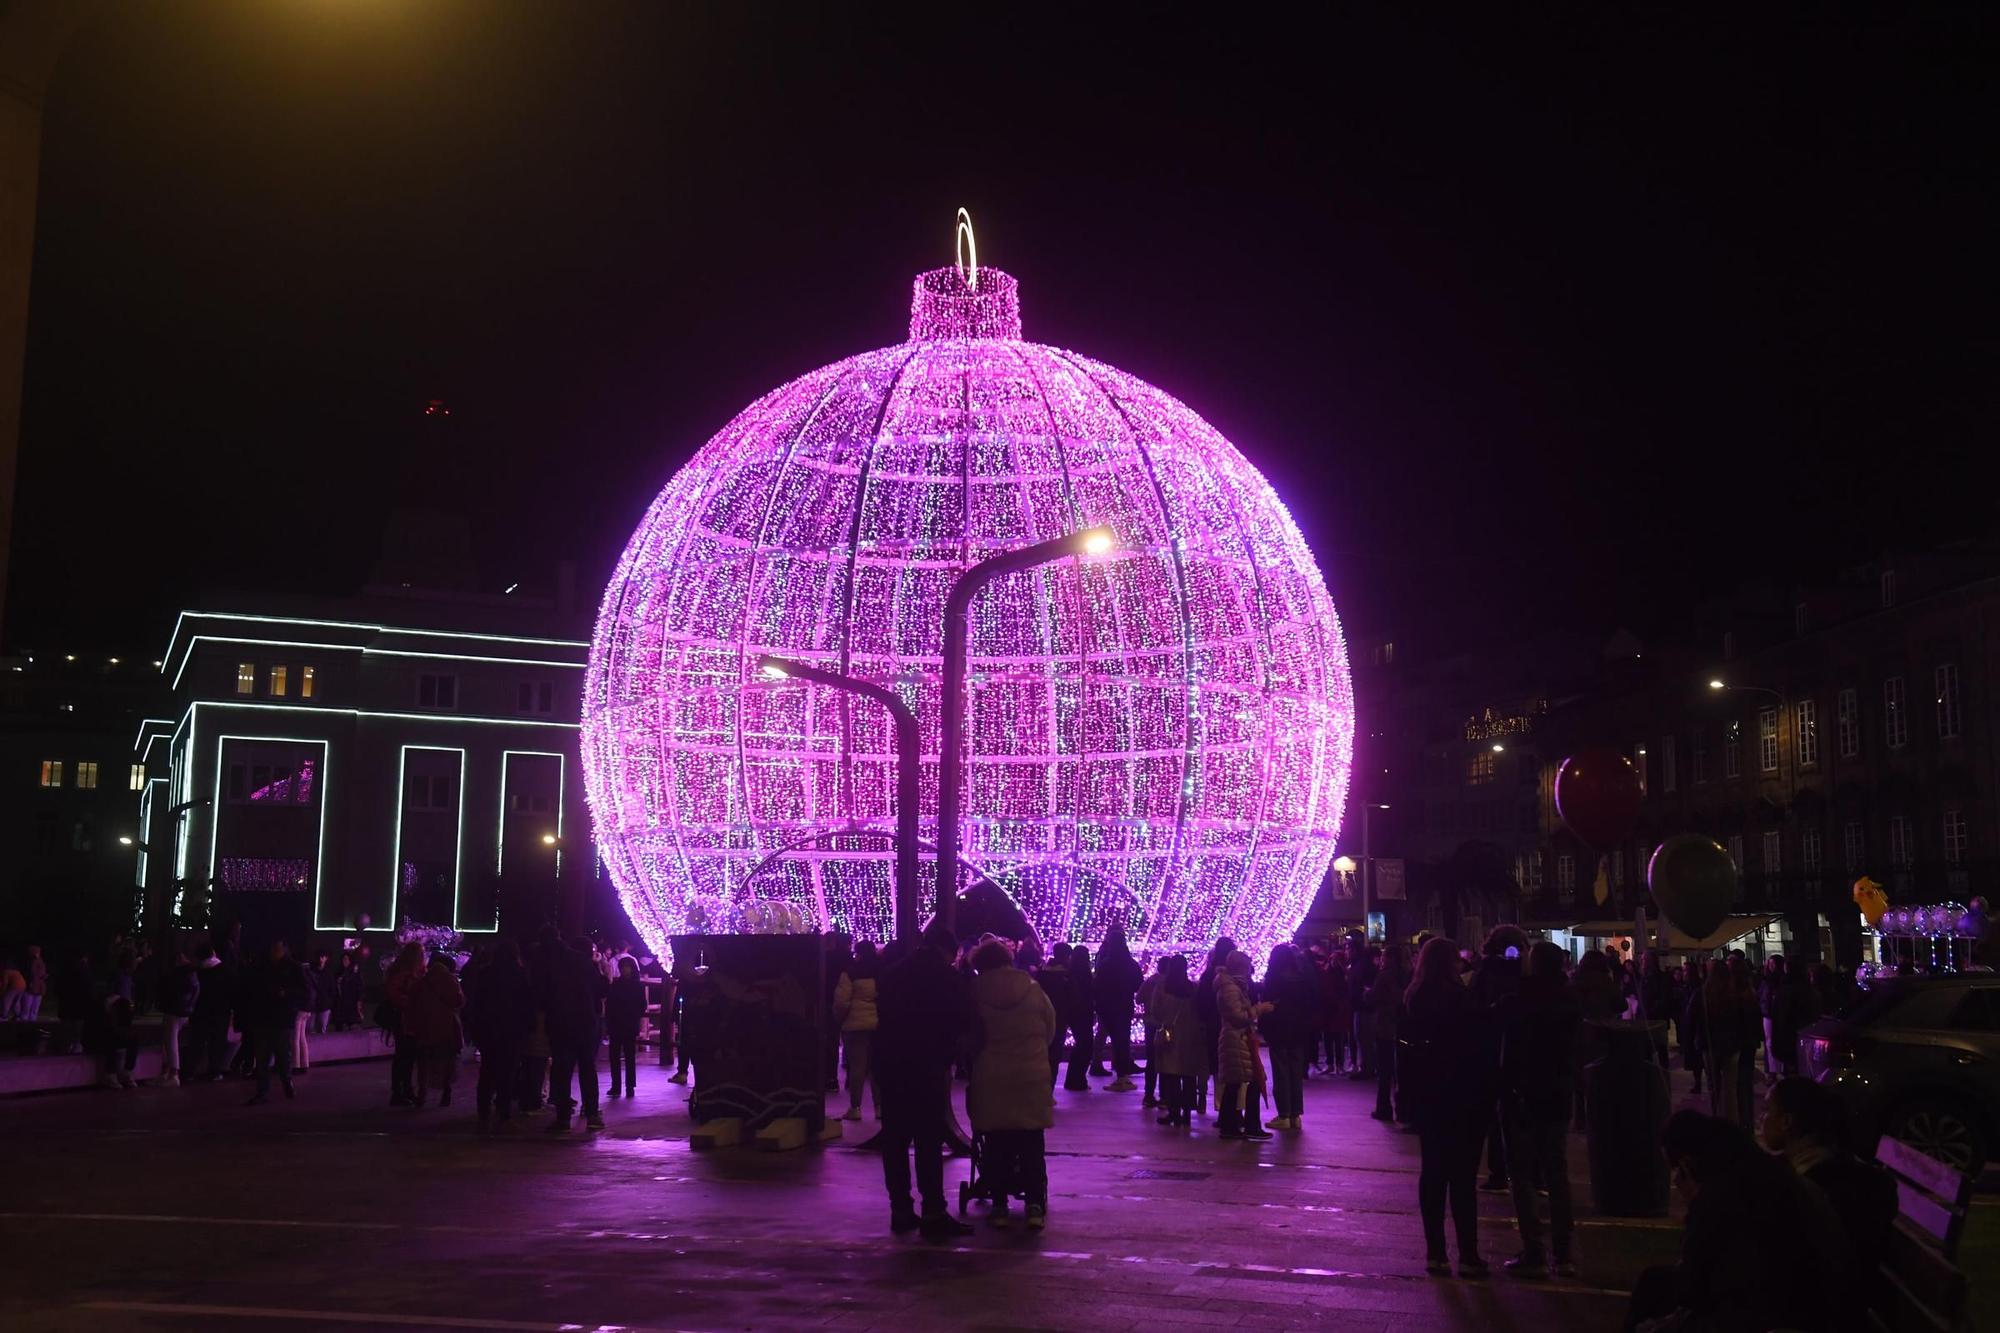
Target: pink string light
[{"x": 1158, "y": 737}]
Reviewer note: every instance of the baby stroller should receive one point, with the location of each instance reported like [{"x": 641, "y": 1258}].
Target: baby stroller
[{"x": 977, "y": 1185}]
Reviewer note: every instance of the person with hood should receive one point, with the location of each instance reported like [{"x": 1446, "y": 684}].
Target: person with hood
[
  {"x": 499, "y": 1010},
  {"x": 854, "y": 1008},
  {"x": 273, "y": 994},
  {"x": 1177, "y": 1045},
  {"x": 574, "y": 1004},
  {"x": 1447, "y": 1084},
  {"x": 179, "y": 993},
  {"x": 1009, "y": 1100},
  {"x": 624, "y": 1014},
  {"x": 397, "y": 988},
  {"x": 1116, "y": 989},
  {"x": 1057, "y": 983},
  {"x": 924, "y": 1013},
  {"x": 1385, "y": 1015},
  {"x": 1290, "y": 1030},
  {"x": 431, "y": 1021},
  {"x": 1211, "y": 1022},
  {"x": 1538, "y": 1025},
  {"x": 1239, "y": 1074}
]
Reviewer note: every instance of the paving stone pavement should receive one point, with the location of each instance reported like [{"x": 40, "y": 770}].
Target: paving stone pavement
[{"x": 182, "y": 1209}]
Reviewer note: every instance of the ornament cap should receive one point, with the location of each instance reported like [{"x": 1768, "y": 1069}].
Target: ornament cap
[{"x": 945, "y": 304}]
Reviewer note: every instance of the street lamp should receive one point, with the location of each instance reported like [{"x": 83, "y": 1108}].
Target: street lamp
[
  {"x": 1345, "y": 864},
  {"x": 909, "y": 775},
  {"x": 124, "y": 841},
  {"x": 957, "y": 616},
  {"x": 548, "y": 840}
]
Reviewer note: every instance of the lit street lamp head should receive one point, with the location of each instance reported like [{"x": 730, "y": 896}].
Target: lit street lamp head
[
  {"x": 1343, "y": 865},
  {"x": 1717, "y": 685}
]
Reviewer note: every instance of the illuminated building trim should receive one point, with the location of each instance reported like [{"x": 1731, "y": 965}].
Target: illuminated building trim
[
  {"x": 458, "y": 841},
  {"x": 215, "y": 807},
  {"x": 562, "y": 791}
]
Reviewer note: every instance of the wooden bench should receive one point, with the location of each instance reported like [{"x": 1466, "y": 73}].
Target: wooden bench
[{"x": 1924, "y": 1290}]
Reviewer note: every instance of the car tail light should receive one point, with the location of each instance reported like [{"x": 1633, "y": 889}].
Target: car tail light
[{"x": 1833, "y": 1052}]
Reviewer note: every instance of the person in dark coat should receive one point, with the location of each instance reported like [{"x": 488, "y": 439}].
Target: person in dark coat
[
  {"x": 1290, "y": 1030},
  {"x": 1444, "y": 1058},
  {"x": 573, "y": 1001},
  {"x": 1385, "y": 1013},
  {"x": 1082, "y": 1022},
  {"x": 206, "y": 1047},
  {"x": 1056, "y": 982},
  {"x": 924, "y": 1018},
  {"x": 347, "y": 995},
  {"x": 1758, "y": 1251},
  {"x": 1205, "y": 1013},
  {"x": 1495, "y": 980},
  {"x": 624, "y": 1012},
  {"x": 1806, "y": 1123},
  {"x": 499, "y": 1011},
  {"x": 325, "y": 979},
  {"x": 1538, "y": 1026},
  {"x": 274, "y": 993},
  {"x": 1117, "y": 989}
]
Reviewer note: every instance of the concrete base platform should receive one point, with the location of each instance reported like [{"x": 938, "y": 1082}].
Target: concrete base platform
[{"x": 56, "y": 1073}]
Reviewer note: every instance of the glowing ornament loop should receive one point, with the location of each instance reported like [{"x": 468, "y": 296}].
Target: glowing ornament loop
[{"x": 965, "y": 251}]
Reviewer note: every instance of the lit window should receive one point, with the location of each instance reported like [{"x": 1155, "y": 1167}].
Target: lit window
[
  {"x": 1732, "y": 750},
  {"x": 1901, "y": 852},
  {"x": 1954, "y": 837},
  {"x": 1895, "y": 715},
  {"x": 52, "y": 772},
  {"x": 1805, "y": 731},
  {"x": 138, "y": 777},
  {"x": 280, "y": 679},
  {"x": 246, "y": 677},
  {"x": 1767, "y": 739},
  {"x": 1849, "y": 709},
  {"x": 86, "y": 775},
  {"x": 1774, "y": 843},
  {"x": 1669, "y": 779},
  {"x": 1809, "y": 850},
  {"x": 1950, "y": 723},
  {"x": 305, "y": 682},
  {"x": 1853, "y": 846},
  {"x": 437, "y": 691},
  {"x": 1479, "y": 768}
]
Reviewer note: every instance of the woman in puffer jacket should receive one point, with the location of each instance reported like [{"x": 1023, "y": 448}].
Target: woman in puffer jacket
[
  {"x": 1239, "y": 1074},
  {"x": 854, "y": 1006},
  {"x": 1010, "y": 1100}
]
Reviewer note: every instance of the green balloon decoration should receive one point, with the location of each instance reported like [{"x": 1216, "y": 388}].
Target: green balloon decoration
[{"x": 1694, "y": 882}]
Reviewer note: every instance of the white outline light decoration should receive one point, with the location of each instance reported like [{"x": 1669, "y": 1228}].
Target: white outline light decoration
[{"x": 1158, "y": 736}]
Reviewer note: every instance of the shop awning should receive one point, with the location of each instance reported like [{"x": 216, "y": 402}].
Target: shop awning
[{"x": 1733, "y": 928}]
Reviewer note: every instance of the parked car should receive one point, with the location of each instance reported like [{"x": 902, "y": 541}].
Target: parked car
[{"x": 1917, "y": 1058}]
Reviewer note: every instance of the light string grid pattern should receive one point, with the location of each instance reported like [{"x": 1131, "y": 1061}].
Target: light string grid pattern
[{"x": 1159, "y": 738}]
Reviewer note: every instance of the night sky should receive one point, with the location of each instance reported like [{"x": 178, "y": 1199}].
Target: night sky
[{"x": 1557, "y": 325}]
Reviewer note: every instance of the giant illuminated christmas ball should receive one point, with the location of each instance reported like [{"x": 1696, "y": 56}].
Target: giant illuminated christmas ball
[{"x": 1157, "y": 737}]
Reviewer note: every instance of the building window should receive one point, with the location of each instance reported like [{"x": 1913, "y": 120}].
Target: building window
[
  {"x": 1534, "y": 884},
  {"x": 1669, "y": 779},
  {"x": 437, "y": 691},
  {"x": 1732, "y": 750},
  {"x": 1774, "y": 850},
  {"x": 1736, "y": 851},
  {"x": 1895, "y": 716},
  {"x": 1385, "y": 654},
  {"x": 1888, "y": 587},
  {"x": 1805, "y": 731},
  {"x": 1809, "y": 849},
  {"x": 534, "y": 696},
  {"x": 1700, "y": 745},
  {"x": 86, "y": 775},
  {"x": 1853, "y": 846},
  {"x": 279, "y": 681},
  {"x": 1479, "y": 768},
  {"x": 246, "y": 677},
  {"x": 430, "y": 791},
  {"x": 1767, "y": 739},
  {"x": 1798, "y": 618},
  {"x": 1954, "y": 837},
  {"x": 1849, "y": 709},
  {"x": 52, "y": 772},
  {"x": 1948, "y": 719},
  {"x": 1565, "y": 873},
  {"x": 1901, "y": 852},
  {"x": 305, "y": 682},
  {"x": 138, "y": 777},
  {"x": 1639, "y": 766}
]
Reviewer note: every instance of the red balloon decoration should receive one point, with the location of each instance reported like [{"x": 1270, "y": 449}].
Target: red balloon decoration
[{"x": 1597, "y": 795}]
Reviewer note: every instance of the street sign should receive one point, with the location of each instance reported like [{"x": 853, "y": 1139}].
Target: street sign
[{"x": 1389, "y": 879}]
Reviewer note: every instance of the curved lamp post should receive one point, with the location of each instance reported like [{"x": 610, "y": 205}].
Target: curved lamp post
[
  {"x": 957, "y": 613},
  {"x": 909, "y": 774}
]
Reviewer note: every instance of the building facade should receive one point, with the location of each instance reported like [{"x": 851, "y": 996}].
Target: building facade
[{"x": 348, "y": 766}]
